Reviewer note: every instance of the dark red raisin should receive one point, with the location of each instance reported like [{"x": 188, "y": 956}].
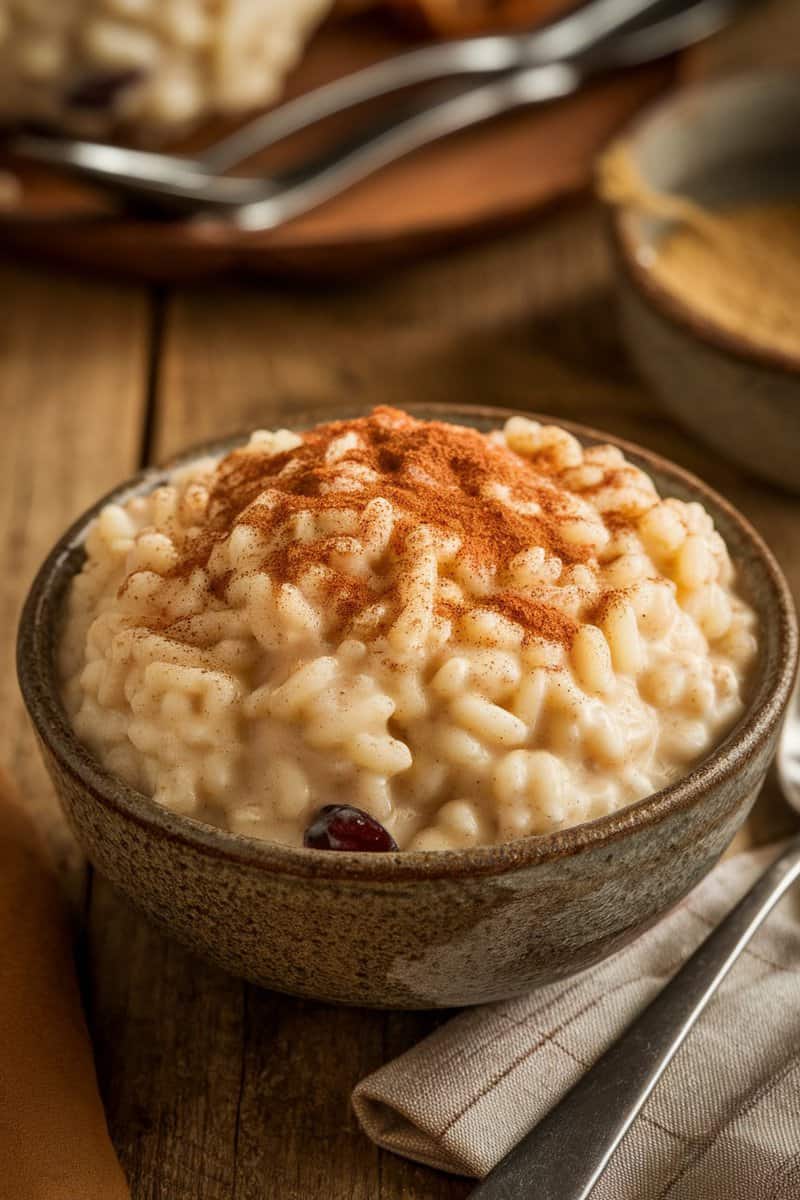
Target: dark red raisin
[
  {"x": 100, "y": 89},
  {"x": 342, "y": 827}
]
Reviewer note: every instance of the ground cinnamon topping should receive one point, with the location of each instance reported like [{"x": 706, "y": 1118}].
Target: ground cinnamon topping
[
  {"x": 469, "y": 638},
  {"x": 450, "y": 478},
  {"x": 543, "y": 620},
  {"x": 608, "y": 601}
]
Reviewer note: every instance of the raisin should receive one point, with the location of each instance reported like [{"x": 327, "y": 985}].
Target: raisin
[{"x": 342, "y": 827}]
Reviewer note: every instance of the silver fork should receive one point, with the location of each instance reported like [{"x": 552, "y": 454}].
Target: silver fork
[
  {"x": 563, "y": 1157},
  {"x": 581, "y": 44},
  {"x": 564, "y": 38}
]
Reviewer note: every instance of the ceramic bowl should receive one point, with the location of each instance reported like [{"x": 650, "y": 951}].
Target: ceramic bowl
[
  {"x": 736, "y": 140},
  {"x": 414, "y": 929}
]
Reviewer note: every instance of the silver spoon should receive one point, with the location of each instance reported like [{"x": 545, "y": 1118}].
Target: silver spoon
[
  {"x": 190, "y": 185},
  {"x": 563, "y": 1157}
]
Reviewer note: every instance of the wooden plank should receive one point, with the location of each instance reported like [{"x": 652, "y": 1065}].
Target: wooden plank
[
  {"x": 473, "y": 327},
  {"x": 215, "y": 1089},
  {"x": 72, "y": 396}
]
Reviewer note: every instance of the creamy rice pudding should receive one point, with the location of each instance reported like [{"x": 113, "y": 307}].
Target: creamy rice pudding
[
  {"x": 469, "y": 637},
  {"x": 158, "y": 65}
]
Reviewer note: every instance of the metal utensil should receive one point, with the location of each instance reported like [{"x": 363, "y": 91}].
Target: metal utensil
[
  {"x": 188, "y": 185},
  {"x": 563, "y": 1157},
  {"x": 564, "y": 38}
]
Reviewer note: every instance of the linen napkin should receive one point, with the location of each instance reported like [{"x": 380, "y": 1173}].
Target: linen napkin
[
  {"x": 722, "y": 1124},
  {"x": 54, "y": 1144}
]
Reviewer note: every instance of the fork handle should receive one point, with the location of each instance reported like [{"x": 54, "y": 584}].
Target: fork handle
[
  {"x": 566, "y": 37},
  {"x": 318, "y": 182},
  {"x": 563, "y": 1157}
]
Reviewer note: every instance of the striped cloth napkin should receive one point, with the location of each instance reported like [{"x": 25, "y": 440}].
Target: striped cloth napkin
[{"x": 723, "y": 1123}]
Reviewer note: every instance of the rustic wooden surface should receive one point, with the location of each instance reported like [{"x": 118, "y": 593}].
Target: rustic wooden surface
[{"x": 216, "y": 1090}]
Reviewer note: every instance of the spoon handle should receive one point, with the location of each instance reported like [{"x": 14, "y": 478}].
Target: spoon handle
[{"x": 563, "y": 1157}]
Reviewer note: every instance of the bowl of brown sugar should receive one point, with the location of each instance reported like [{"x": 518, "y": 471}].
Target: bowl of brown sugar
[{"x": 705, "y": 199}]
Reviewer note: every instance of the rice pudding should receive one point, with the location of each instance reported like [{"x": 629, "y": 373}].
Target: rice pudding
[{"x": 468, "y": 637}]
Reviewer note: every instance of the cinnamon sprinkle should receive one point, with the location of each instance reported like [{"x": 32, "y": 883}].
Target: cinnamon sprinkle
[
  {"x": 542, "y": 620},
  {"x": 432, "y": 473},
  {"x": 608, "y": 601}
]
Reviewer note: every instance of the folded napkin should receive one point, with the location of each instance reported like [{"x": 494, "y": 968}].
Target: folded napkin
[
  {"x": 723, "y": 1123},
  {"x": 54, "y": 1144}
]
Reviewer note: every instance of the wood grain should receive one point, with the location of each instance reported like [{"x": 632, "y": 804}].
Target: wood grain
[
  {"x": 216, "y": 1090},
  {"x": 72, "y": 396}
]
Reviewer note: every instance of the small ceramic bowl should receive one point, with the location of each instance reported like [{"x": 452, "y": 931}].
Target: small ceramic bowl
[
  {"x": 414, "y": 929},
  {"x": 737, "y": 140}
]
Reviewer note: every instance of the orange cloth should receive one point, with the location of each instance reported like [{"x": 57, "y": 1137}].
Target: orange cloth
[{"x": 54, "y": 1142}]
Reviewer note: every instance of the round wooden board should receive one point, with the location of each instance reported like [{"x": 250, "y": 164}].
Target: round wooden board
[{"x": 477, "y": 181}]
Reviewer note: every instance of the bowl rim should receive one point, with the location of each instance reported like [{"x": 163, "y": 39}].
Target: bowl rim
[
  {"x": 51, "y": 723},
  {"x": 626, "y": 241}
]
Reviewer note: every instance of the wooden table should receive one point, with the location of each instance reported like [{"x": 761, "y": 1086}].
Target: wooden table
[{"x": 216, "y": 1090}]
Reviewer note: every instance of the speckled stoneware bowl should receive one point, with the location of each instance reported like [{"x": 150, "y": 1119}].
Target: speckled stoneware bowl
[
  {"x": 417, "y": 930},
  {"x": 738, "y": 140}
]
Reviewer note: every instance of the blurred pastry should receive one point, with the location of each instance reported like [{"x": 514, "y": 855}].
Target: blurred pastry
[{"x": 154, "y": 66}]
